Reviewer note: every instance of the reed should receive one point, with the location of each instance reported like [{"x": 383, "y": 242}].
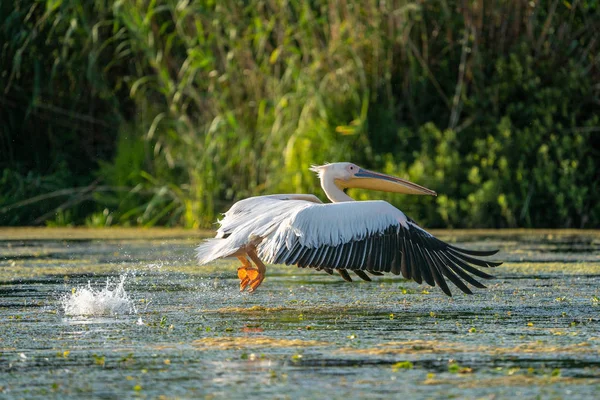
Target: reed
[{"x": 202, "y": 103}]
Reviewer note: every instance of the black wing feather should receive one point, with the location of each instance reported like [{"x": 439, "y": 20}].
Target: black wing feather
[
  {"x": 446, "y": 270},
  {"x": 362, "y": 275},
  {"x": 399, "y": 249},
  {"x": 422, "y": 263},
  {"x": 477, "y": 253}
]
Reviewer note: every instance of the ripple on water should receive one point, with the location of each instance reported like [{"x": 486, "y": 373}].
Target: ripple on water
[{"x": 110, "y": 300}]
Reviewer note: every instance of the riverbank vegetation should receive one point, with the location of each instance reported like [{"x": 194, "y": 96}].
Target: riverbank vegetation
[{"x": 140, "y": 112}]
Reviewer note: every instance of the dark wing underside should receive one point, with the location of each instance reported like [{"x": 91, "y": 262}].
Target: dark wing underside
[{"x": 411, "y": 251}]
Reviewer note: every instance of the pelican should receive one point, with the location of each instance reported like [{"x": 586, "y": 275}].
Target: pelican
[{"x": 344, "y": 235}]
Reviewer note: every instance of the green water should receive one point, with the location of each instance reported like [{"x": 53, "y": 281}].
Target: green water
[{"x": 535, "y": 332}]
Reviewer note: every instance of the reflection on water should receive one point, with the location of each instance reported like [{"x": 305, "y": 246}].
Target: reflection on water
[{"x": 120, "y": 318}]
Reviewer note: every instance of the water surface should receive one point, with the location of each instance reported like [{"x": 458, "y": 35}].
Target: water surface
[{"x": 176, "y": 330}]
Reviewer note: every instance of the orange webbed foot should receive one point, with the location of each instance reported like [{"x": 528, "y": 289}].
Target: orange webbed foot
[
  {"x": 255, "y": 283},
  {"x": 248, "y": 276}
]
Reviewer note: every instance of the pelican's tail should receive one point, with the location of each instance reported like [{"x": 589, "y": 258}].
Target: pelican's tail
[{"x": 212, "y": 249}]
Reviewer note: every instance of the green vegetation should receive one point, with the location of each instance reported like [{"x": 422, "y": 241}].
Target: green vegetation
[
  {"x": 402, "y": 365},
  {"x": 141, "y": 112}
]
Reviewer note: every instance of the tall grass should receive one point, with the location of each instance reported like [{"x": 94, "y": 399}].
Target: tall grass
[
  {"x": 490, "y": 104},
  {"x": 252, "y": 95}
]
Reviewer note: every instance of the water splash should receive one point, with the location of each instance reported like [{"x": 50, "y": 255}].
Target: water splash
[{"x": 111, "y": 300}]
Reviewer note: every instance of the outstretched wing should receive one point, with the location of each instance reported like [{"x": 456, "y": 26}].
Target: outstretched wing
[
  {"x": 371, "y": 236},
  {"x": 265, "y": 209},
  {"x": 250, "y": 220}
]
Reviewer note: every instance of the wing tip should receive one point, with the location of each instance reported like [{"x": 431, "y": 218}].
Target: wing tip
[{"x": 479, "y": 253}]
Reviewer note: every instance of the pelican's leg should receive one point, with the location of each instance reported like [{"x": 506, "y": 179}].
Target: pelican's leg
[
  {"x": 246, "y": 272},
  {"x": 254, "y": 283}
]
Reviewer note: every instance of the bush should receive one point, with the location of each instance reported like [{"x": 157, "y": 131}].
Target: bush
[{"x": 202, "y": 103}]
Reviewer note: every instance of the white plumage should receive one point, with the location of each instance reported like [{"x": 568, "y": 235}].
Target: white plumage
[
  {"x": 250, "y": 220},
  {"x": 366, "y": 236},
  {"x": 332, "y": 224}
]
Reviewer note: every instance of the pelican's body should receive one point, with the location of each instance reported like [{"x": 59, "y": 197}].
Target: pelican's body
[{"x": 365, "y": 236}]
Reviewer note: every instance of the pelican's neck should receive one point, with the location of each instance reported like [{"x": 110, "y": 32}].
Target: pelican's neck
[{"x": 334, "y": 193}]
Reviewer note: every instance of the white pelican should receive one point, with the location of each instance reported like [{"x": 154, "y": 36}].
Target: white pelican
[{"x": 365, "y": 236}]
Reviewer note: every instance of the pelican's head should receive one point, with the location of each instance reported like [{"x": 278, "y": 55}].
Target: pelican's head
[{"x": 348, "y": 175}]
